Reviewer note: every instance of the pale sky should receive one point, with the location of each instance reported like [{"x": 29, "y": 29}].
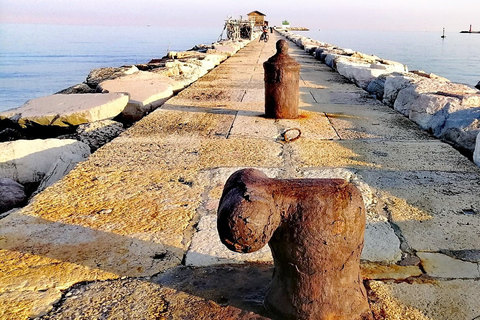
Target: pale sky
[{"x": 414, "y": 15}]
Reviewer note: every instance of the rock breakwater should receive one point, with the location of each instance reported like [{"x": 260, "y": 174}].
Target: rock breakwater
[
  {"x": 93, "y": 113},
  {"x": 449, "y": 111}
]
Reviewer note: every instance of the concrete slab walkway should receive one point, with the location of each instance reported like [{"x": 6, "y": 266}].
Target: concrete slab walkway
[{"x": 131, "y": 232}]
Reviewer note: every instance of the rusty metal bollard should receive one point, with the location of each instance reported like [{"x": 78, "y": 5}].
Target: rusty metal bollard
[
  {"x": 282, "y": 74},
  {"x": 315, "y": 229}
]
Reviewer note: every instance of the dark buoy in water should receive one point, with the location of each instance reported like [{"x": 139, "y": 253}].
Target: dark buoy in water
[{"x": 443, "y": 35}]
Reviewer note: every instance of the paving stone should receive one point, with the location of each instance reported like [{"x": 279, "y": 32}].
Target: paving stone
[
  {"x": 240, "y": 152},
  {"x": 255, "y": 95},
  {"x": 341, "y": 97},
  {"x": 392, "y": 271},
  {"x": 384, "y": 155},
  {"x": 381, "y": 243},
  {"x": 136, "y": 299},
  {"x": 442, "y": 266},
  {"x": 427, "y": 224},
  {"x": 184, "y": 120},
  {"x": 206, "y": 248},
  {"x": 255, "y": 125},
  {"x": 372, "y": 122},
  {"x": 239, "y": 285},
  {"x": 216, "y": 96},
  {"x": 442, "y": 300}
]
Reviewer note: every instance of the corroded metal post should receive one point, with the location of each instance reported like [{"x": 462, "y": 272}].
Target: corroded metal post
[
  {"x": 282, "y": 74},
  {"x": 315, "y": 229}
]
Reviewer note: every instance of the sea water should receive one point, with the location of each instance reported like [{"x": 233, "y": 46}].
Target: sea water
[
  {"x": 455, "y": 57},
  {"x": 39, "y": 60}
]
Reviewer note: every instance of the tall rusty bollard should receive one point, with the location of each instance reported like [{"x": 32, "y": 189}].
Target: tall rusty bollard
[
  {"x": 282, "y": 75},
  {"x": 315, "y": 230}
]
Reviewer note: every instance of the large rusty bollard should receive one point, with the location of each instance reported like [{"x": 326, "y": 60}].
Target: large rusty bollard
[
  {"x": 315, "y": 229},
  {"x": 282, "y": 74}
]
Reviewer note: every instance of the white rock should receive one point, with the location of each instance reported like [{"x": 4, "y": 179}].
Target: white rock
[
  {"x": 449, "y": 110},
  {"x": 363, "y": 72},
  {"x": 101, "y": 74},
  {"x": 393, "y": 85},
  {"x": 12, "y": 194},
  {"x": 96, "y": 134},
  {"x": 227, "y": 49},
  {"x": 147, "y": 92},
  {"x": 64, "y": 164},
  {"x": 27, "y": 161},
  {"x": 476, "y": 154},
  {"x": 330, "y": 58},
  {"x": 68, "y": 109},
  {"x": 216, "y": 59}
]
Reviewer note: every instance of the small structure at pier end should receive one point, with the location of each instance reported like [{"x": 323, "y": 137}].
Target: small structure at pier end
[
  {"x": 257, "y": 18},
  {"x": 315, "y": 229}
]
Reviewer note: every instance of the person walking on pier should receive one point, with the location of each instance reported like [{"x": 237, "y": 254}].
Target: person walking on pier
[{"x": 264, "y": 33}]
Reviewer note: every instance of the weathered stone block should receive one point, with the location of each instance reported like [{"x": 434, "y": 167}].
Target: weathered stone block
[
  {"x": 12, "y": 194},
  {"x": 68, "y": 109},
  {"x": 476, "y": 154},
  {"x": 28, "y": 161},
  {"x": 147, "y": 92}
]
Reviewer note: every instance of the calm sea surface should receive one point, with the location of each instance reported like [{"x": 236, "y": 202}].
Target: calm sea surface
[
  {"x": 38, "y": 60},
  {"x": 456, "y": 57}
]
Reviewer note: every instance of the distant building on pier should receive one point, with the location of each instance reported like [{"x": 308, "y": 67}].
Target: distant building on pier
[{"x": 258, "y": 18}]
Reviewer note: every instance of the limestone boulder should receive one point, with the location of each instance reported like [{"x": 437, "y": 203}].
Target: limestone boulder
[
  {"x": 78, "y": 88},
  {"x": 330, "y": 54},
  {"x": 12, "y": 194},
  {"x": 310, "y": 48},
  {"x": 476, "y": 154},
  {"x": 461, "y": 128},
  {"x": 27, "y": 161},
  {"x": 63, "y": 165},
  {"x": 450, "y": 111},
  {"x": 10, "y": 134},
  {"x": 65, "y": 110},
  {"x": 330, "y": 58},
  {"x": 181, "y": 73},
  {"x": 96, "y": 134},
  {"x": 362, "y": 71},
  {"x": 367, "y": 58},
  {"x": 102, "y": 74},
  {"x": 225, "y": 49},
  {"x": 147, "y": 91},
  {"x": 376, "y": 87},
  {"x": 428, "y": 75},
  {"x": 393, "y": 84},
  {"x": 203, "y": 66},
  {"x": 318, "y": 52},
  {"x": 216, "y": 59}
]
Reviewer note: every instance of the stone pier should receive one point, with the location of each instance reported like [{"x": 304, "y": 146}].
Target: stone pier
[{"x": 131, "y": 232}]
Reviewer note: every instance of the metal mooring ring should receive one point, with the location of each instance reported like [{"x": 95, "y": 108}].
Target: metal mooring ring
[{"x": 284, "y": 134}]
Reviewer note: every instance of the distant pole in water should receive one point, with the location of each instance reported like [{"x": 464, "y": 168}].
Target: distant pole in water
[
  {"x": 443, "y": 36},
  {"x": 470, "y": 29}
]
